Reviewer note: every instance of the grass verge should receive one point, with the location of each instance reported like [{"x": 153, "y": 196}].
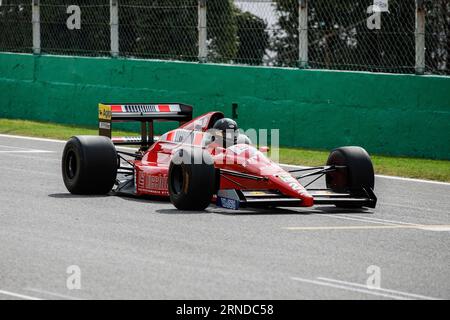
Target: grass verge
[{"x": 438, "y": 170}]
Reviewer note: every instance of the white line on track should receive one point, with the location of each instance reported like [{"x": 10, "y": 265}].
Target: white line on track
[
  {"x": 348, "y": 288},
  {"x": 355, "y": 219},
  {"x": 410, "y": 295},
  {"x": 28, "y": 171},
  {"x": 385, "y": 221},
  {"x": 434, "y": 227},
  {"x": 384, "y": 176},
  {"x": 31, "y": 138},
  {"x": 360, "y": 288},
  {"x": 31, "y": 157},
  {"x": 425, "y": 227},
  {"x": 26, "y": 151},
  {"x": 58, "y": 295},
  {"x": 412, "y": 179},
  {"x": 17, "y": 295},
  {"x": 10, "y": 147},
  {"x": 412, "y": 207},
  {"x": 285, "y": 165},
  {"x": 22, "y": 150}
]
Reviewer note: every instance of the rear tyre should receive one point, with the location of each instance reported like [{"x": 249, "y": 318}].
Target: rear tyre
[
  {"x": 89, "y": 165},
  {"x": 357, "y": 175},
  {"x": 192, "y": 179}
]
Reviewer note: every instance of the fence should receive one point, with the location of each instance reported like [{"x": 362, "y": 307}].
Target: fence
[{"x": 406, "y": 36}]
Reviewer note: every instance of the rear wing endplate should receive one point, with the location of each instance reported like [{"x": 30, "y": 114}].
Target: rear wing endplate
[{"x": 145, "y": 113}]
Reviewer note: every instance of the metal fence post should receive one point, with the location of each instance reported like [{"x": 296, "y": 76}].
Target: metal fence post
[
  {"x": 36, "y": 23},
  {"x": 303, "y": 33},
  {"x": 202, "y": 32},
  {"x": 114, "y": 24},
  {"x": 420, "y": 37}
]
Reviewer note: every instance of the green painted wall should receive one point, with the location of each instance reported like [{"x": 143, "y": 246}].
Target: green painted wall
[{"x": 386, "y": 114}]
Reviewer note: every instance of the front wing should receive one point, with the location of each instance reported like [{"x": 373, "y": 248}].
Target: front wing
[{"x": 235, "y": 199}]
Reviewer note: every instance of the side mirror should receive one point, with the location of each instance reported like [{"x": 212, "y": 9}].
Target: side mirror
[
  {"x": 264, "y": 149},
  {"x": 208, "y": 139}
]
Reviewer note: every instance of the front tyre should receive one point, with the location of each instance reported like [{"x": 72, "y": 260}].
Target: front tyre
[
  {"x": 192, "y": 179},
  {"x": 354, "y": 172},
  {"x": 89, "y": 165}
]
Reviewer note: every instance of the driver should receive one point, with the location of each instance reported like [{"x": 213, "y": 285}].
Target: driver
[{"x": 226, "y": 133}]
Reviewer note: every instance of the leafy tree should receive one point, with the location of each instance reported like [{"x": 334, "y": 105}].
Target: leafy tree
[
  {"x": 168, "y": 30},
  {"x": 163, "y": 29},
  {"x": 253, "y": 39},
  {"x": 437, "y": 36},
  {"x": 94, "y": 36},
  {"x": 339, "y": 38},
  {"x": 222, "y": 29},
  {"x": 285, "y": 42},
  {"x": 15, "y": 26},
  {"x": 159, "y": 29}
]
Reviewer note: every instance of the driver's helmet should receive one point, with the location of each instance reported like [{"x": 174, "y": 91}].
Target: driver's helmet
[{"x": 227, "y": 130}]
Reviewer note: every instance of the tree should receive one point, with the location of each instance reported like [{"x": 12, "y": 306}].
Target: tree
[
  {"x": 93, "y": 38},
  {"x": 15, "y": 26},
  {"x": 285, "y": 42},
  {"x": 437, "y": 36},
  {"x": 158, "y": 29},
  {"x": 222, "y": 30},
  {"x": 339, "y": 38},
  {"x": 253, "y": 39},
  {"x": 161, "y": 29},
  {"x": 168, "y": 30}
]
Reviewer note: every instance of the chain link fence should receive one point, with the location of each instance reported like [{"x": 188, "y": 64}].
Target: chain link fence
[
  {"x": 257, "y": 26},
  {"x": 340, "y": 36},
  {"x": 15, "y": 26},
  {"x": 437, "y": 37},
  {"x": 158, "y": 29},
  {"x": 319, "y": 34},
  {"x": 75, "y": 29}
]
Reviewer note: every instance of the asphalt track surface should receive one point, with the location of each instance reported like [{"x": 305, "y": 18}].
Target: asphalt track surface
[{"x": 129, "y": 248}]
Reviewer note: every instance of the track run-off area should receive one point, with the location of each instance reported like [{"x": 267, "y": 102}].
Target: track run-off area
[{"x": 130, "y": 248}]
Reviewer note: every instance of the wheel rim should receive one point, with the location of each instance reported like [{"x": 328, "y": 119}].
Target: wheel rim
[
  {"x": 177, "y": 179},
  {"x": 71, "y": 165},
  {"x": 338, "y": 180}
]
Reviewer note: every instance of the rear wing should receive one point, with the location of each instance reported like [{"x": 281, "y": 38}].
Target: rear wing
[{"x": 145, "y": 113}]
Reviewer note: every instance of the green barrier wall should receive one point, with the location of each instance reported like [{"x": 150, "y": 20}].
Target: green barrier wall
[{"x": 387, "y": 114}]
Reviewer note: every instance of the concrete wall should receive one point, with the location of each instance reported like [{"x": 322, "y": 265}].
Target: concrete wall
[{"x": 385, "y": 113}]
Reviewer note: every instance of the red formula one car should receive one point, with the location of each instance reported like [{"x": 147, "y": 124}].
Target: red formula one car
[{"x": 205, "y": 160}]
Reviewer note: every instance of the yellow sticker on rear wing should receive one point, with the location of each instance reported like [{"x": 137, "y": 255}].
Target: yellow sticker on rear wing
[{"x": 104, "y": 112}]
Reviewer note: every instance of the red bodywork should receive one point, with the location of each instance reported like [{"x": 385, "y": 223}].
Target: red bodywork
[{"x": 152, "y": 170}]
